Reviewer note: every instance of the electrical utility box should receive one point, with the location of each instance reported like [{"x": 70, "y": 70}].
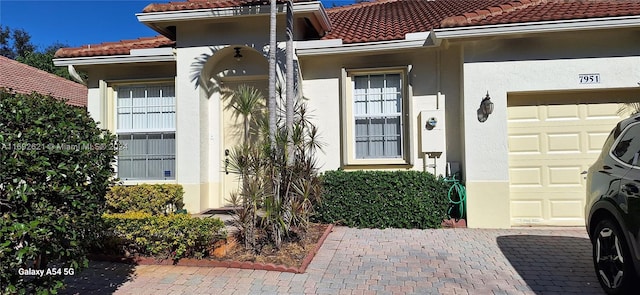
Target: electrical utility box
[{"x": 432, "y": 131}]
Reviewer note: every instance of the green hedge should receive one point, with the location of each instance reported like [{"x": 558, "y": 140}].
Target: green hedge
[
  {"x": 151, "y": 198},
  {"x": 172, "y": 236},
  {"x": 55, "y": 169},
  {"x": 382, "y": 199}
]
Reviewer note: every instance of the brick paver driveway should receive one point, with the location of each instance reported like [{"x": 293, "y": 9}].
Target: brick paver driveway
[{"x": 391, "y": 261}]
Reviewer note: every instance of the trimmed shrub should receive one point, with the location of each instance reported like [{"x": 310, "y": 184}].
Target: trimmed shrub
[
  {"x": 56, "y": 169},
  {"x": 172, "y": 236},
  {"x": 381, "y": 199},
  {"x": 151, "y": 198}
]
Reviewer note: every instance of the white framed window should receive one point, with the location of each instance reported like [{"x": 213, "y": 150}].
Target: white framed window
[
  {"x": 146, "y": 126},
  {"x": 375, "y": 117},
  {"x": 142, "y": 108},
  {"x": 377, "y": 112}
]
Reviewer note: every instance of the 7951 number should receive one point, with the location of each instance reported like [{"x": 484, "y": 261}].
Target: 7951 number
[{"x": 589, "y": 78}]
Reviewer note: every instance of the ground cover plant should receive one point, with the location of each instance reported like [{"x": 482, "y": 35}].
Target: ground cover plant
[
  {"x": 171, "y": 236},
  {"x": 151, "y": 198},
  {"x": 167, "y": 236},
  {"x": 149, "y": 220}
]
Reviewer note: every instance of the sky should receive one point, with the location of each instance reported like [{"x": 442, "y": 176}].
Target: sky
[{"x": 82, "y": 22}]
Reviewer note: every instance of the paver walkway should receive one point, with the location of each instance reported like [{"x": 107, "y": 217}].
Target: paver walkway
[{"x": 391, "y": 261}]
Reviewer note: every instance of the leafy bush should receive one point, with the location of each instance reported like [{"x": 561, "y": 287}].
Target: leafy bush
[
  {"x": 56, "y": 169},
  {"x": 172, "y": 236},
  {"x": 381, "y": 199},
  {"x": 150, "y": 198}
]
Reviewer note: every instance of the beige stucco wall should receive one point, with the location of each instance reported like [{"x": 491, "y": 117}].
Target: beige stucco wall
[
  {"x": 197, "y": 161},
  {"x": 101, "y": 77},
  {"x": 538, "y": 63},
  {"x": 454, "y": 76},
  {"x": 433, "y": 76},
  {"x": 204, "y": 63},
  {"x": 199, "y": 153},
  {"x": 190, "y": 155},
  {"x": 203, "y": 49}
]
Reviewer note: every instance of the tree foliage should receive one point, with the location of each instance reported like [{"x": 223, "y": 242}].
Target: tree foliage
[
  {"x": 5, "y": 39},
  {"x": 56, "y": 169},
  {"x": 43, "y": 60},
  {"x": 16, "y": 44}
]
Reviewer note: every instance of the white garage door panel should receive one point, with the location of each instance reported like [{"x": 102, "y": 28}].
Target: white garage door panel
[
  {"x": 525, "y": 177},
  {"x": 527, "y": 209},
  {"x": 566, "y": 209},
  {"x": 550, "y": 144}
]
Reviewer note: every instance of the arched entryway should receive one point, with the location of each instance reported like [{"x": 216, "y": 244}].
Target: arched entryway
[{"x": 226, "y": 69}]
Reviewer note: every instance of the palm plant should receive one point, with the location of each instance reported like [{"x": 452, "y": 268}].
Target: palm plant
[
  {"x": 280, "y": 184},
  {"x": 246, "y": 102},
  {"x": 630, "y": 108}
]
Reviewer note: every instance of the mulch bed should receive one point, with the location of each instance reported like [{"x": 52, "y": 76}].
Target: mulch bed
[{"x": 292, "y": 257}]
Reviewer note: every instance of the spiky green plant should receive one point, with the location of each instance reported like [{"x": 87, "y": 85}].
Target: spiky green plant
[
  {"x": 630, "y": 108},
  {"x": 279, "y": 180},
  {"x": 247, "y": 104}
]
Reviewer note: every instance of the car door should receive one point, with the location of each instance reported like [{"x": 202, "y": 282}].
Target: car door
[{"x": 627, "y": 153}]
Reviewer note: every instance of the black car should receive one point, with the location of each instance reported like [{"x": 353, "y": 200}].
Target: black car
[{"x": 613, "y": 209}]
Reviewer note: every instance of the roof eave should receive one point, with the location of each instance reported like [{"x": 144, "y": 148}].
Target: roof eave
[
  {"x": 136, "y": 56},
  {"x": 317, "y": 9},
  {"x": 335, "y": 46},
  {"x": 155, "y": 19},
  {"x": 537, "y": 27}
]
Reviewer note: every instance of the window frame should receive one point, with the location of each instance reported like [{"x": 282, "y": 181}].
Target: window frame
[
  {"x": 147, "y": 111},
  {"x": 348, "y": 117},
  {"x": 115, "y": 88},
  {"x": 150, "y": 156},
  {"x": 617, "y": 142}
]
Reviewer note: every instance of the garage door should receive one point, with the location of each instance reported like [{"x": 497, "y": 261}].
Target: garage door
[{"x": 552, "y": 139}]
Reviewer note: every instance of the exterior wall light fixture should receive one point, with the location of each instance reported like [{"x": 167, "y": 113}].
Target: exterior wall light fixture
[
  {"x": 237, "y": 56},
  {"x": 486, "y": 108}
]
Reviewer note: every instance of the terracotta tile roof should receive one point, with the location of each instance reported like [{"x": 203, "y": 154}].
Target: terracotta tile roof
[
  {"x": 385, "y": 20},
  {"x": 25, "y": 79},
  {"x": 542, "y": 10},
  {"x": 207, "y": 4},
  {"x": 115, "y": 48}
]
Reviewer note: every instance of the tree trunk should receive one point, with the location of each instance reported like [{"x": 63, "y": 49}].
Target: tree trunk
[
  {"x": 246, "y": 130},
  {"x": 272, "y": 75},
  {"x": 290, "y": 84}
]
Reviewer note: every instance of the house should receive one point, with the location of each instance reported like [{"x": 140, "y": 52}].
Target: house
[
  {"x": 25, "y": 79},
  {"x": 516, "y": 95}
]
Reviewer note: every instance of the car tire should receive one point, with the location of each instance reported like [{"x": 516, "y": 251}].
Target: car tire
[{"x": 612, "y": 259}]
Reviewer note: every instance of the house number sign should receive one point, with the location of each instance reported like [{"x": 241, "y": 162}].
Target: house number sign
[{"x": 589, "y": 78}]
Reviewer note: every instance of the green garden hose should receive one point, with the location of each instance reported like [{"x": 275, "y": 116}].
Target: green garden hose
[{"x": 461, "y": 193}]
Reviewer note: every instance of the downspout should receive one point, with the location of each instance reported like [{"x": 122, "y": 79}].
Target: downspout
[
  {"x": 438, "y": 106},
  {"x": 74, "y": 74},
  {"x": 438, "y": 73}
]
